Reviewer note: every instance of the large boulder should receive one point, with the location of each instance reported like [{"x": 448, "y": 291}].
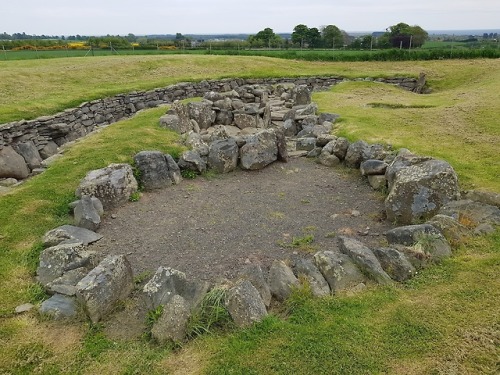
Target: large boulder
[
  {"x": 395, "y": 263},
  {"x": 30, "y": 154},
  {"x": 317, "y": 282},
  {"x": 452, "y": 230},
  {"x": 177, "y": 118},
  {"x": 356, "y": 153},
  {"x": 373, "y": 167},
  {"x": 168, "y": 282},
  {"x": 86, "y": 214},
  {"x": 191, "y": 160},
  {"x": 364, "y": 258},
  {"x": 425, "y": 240},
  {"x": 223, "y": 155},
  {"x": 254, "y": 274},
  {"x": 243, "y": 120},
  {"x": 56, "y": 260},
  {"x": 154, "y": 170},
  {"x": 70, "y": 234},
  {"x": 259, "y": 151},
  {"x": 103, "y": 287},
  {"x": 339, "y": 270},
  {"x": 301, "y": 95},
  {"x": 113, "y": 185},
  {"x": 472, "y": 213},
  {"x": 172, "y": 324},
  {"x": 66, "y": 284},
  {"x": 12, "y": 164},
  {"x": 281, "y": 280},
  {"x": 245, "y": 304},
  {"x": 418, "y": 188},
  {"x": 195, "y": 142},
  {"x": 202, "y": 113}
]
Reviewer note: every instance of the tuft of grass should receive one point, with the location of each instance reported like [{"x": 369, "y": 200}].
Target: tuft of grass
[
  {"x": 189, "y": 174},
  {"x": 210, "y": 315},
  {"x": 303, "y": 243}
]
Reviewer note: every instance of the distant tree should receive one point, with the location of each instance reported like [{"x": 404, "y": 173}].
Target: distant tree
[
  {"x": 299, "y": 35},
  {"x": 332, "y": 36},
  {"x": 131, "y": 38},
  {"x": 314, "y": 38},
  {"x": 406, "y": 36},
  {"x": 265, "y": 38}
]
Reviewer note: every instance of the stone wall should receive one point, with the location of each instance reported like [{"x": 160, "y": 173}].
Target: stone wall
[{"x": 46, "y": 133}]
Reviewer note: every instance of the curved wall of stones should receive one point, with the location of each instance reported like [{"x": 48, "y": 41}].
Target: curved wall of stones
[{"x": 38, "y": 139}]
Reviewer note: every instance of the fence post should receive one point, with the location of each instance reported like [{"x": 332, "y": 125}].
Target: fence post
[{"x": 4, "y": 52}]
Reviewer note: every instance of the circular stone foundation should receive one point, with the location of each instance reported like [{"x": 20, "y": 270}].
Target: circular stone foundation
[{"x": 212, "y": 228}]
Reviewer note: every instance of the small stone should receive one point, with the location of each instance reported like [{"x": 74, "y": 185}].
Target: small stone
[{"x": 24, "y": 308}]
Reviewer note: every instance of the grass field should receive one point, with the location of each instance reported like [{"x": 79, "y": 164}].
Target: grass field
[{"x": 445, "y": 321}]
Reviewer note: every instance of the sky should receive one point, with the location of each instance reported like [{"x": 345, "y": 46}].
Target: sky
[{"x": 120, "y": 17}]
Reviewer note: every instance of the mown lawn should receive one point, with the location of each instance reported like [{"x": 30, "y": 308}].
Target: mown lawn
[{"x": 444, "y": 321}]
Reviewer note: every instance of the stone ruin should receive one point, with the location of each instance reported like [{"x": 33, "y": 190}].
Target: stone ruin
[{"x": 249, "y": 128}]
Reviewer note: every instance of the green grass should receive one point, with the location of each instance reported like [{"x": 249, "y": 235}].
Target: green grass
[
  {"x": 33, "y": 88},
  {"x": 456, "y": 122},
  {"x": 443, "y": 321}
]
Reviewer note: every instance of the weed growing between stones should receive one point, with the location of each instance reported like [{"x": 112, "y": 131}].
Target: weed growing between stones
[
  {"x": 134, "y": 197},
  {"x": 211, "y": 314},
  {"x": 303, "y": 243},
  {"x": 188, "y": 174},
  {"x": 152, "y": 317}
]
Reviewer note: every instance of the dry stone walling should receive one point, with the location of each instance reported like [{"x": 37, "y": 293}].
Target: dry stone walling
[{"x": 248, "y": 128}]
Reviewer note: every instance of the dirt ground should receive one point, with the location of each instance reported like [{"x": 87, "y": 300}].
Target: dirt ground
[{"x": 211, "y": 228}]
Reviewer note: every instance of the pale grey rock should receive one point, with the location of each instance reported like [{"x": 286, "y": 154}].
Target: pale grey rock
[
  {"x": 486, "y": 197},
  {"x": 452, "y": 230},
  {"x": 48, "y": 150},
  {"x": 306, "y": 268},
  {"x": 255, "y": 275},
  {"x": 66, "y": 284},
  {"x": 328, "y": 160},
  {"x": 30, "y": 154},
  {"x": 172, "y": 324},
  {"x": 223, "y": 155},
  {"x": 168, "y": 282},
  {"x": 281, "y": 280},
  {"x": 259, "y": 151},
  {"x": 418, "y": 188},
  {"x": 112, "y": 185},
  {"x": 356, "y": 153},
  {"x": 423, "y": 238},
  {"x": 373, "y": 167},
  {"x": 86, "y": 216},
  {"x": 245, "y": 304},
  {"x": 301, "y": 95},
  {"x": 153, "y": 170},
  {"x": 377, "y": 182},
  {"x": 191, "y": 160},
  {"x": 56, "y": 260},
  {"x": 339, "y": 270},
  {"x": 474, "y": 213},
  {"x": 395, "y": 264},
  {"x": 364, "y": 258},
  {"x": 305, "y": 144},
  {"x": 25, "y": 307},
  {"x": 59, "y": 307},
  {"x": 202, "y": 113},
  {"x": 103, "y": 287},
  {"x": 12, "y": 165},
  {"x": 243, "y": 120}
]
